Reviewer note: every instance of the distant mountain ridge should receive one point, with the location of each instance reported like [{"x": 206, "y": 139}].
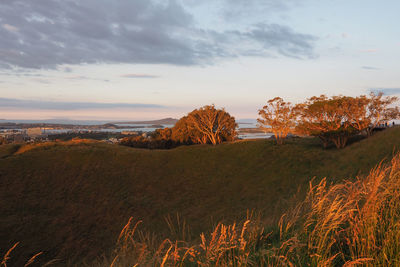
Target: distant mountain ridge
[{"x": 162, "y": 121}]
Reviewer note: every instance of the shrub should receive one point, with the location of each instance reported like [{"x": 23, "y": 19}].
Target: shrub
[{"x": 149, "y": 143}]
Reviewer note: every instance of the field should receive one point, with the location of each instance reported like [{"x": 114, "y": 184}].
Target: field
[{"x": 71, "y": 200}]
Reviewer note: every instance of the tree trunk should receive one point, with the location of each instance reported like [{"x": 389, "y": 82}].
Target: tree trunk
[
  {"x": 325, "y": 141},
  {"x": 278, "y": 138},
  {"x": 369, "y": 131},
  {"x": 213, "y": 140},
  {"x": 340, "y": 141}
]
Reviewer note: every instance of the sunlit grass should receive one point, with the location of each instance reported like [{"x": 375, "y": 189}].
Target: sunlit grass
[{"x": 76, "y": 141}]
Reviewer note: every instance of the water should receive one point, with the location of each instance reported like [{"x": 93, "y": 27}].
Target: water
[
  {"x": 255, "y": 135},
  {"x": 60, "y": 121}
]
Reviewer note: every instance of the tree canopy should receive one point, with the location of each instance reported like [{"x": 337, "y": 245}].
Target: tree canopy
[
  {"x": 339, "y": 117},
  {"x": 278, "y": 117},
  {"x": 205, "y": 125}
]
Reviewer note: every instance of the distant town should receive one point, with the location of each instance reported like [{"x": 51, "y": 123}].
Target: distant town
[{"x": 18, "y": 132}]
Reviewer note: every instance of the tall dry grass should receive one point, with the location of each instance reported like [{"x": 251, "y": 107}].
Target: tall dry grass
[
  {"x": 7, "y": 257},
  {"x": 225, "y": 245},
  {"x": 347, "y": 224},
  {"x": 351, "y": 223}
]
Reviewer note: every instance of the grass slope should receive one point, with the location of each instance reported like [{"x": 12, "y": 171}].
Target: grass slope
[{"x": 71, "y": 201}]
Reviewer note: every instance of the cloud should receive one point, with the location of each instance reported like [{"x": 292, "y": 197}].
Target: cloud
[
  {"x": 369, "y": 68},
  {"x": 67, "y": 69},
  {"x": 233, "y": 9},
  {"x": 10, "y": 28},
  {"x": 53, "y": 33},
  {"x": 53, "y": 105},
  {"x": 22, "y": 74},
  {"x": 369, "y": 50},
  {"x": 283, "y": 38},
  {"x": 141, "y": 76},
  {"x": 81, "y": 78},
  {"x": 43, "y": 81},
  {"x": 78, "y": 77},
  {"x": 386, "y": 91}
]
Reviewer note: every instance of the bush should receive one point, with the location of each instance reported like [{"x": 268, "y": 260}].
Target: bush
[{"x": 149, "y": 143}]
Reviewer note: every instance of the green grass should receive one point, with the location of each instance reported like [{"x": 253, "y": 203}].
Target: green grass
[
  {"x": 9, "y": 149},
  {"x": 71, "y": 201}
]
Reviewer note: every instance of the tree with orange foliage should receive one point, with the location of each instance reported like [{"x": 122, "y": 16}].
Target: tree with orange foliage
[
  {"x": 366, "y": 113},
  {"x": 162, "y": 134},
  {"x": 183, "y": 133},
  {"x": 206, "y": 125},
  {"x": 380, "y": 110},
  {"x": 356, "y": 109},
  {"x": 327, "y": 118},
  {"x": 279, "y": 117}
]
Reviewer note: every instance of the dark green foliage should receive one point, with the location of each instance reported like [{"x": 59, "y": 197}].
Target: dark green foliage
[{"x": 149, "y": 143}]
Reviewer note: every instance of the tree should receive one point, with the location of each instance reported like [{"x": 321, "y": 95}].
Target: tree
[
  {"x": 327, "y": 118},
  {"x": 279, "y": 117},
  {"x": 183, "y": 133},
  {"x": 205, "y": 125},
  {"x": 3, "y": 140},
  {"x": 380, "y": 110},
  {"x": 162, "y": 134},
  {"x": 366, "y": 113},
  {"x": 356, "y": 112}
]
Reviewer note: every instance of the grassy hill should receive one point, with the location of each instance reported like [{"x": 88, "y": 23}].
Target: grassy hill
[{"x": 71, "y": 200}]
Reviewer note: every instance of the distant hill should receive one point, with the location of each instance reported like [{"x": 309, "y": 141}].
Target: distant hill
[
  {"x": 162, "y": 121},
  {"x": 71, "y": 200}
]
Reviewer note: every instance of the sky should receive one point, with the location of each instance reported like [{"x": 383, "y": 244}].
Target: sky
[{"x": 151, "y": 59}]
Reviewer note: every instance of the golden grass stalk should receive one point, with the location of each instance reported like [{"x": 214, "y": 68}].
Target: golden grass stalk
[
  {"x": 32, "y": 259},
  {"x": 6, "y": 256}
]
